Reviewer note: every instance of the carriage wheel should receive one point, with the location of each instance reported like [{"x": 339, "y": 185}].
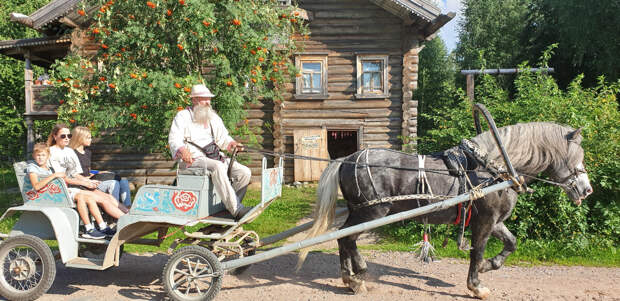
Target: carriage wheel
[
  {"x": 192, "y": 273},
  {"x": 27, "y": 268}
]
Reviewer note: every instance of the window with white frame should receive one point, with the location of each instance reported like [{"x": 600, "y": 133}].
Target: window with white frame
[
  {"x": 372, "y": 76},
  {"x": 312, "y": 78}
]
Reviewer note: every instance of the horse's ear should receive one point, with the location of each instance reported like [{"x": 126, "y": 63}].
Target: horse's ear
[{"x": 575, "y": 136}]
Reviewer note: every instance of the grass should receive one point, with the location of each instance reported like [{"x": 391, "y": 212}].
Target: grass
[
  {"x": 296, "y": 203},
  {"x": 528, "y": 252}
]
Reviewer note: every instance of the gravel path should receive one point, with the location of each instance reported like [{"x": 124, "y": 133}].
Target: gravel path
[{"x": 393, "y": 276}]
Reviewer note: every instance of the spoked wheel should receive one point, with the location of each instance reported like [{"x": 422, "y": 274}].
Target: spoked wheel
[
  {"x": 27, "y": 268},
  {"x": 192, "y": 273}
]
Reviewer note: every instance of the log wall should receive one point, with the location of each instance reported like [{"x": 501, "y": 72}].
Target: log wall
[{"x": 343, "y": 29}]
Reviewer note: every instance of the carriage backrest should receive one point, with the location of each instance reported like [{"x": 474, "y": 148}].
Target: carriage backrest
[
  {"x": 54, "y": 194},
  {"x": 193, "y": 196}
]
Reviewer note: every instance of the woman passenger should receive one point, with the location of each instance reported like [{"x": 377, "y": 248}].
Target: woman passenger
[{"x": 63, "y": 159}]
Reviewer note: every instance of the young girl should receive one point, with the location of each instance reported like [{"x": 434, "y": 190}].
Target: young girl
[
  {"x": 40, "y": 175},
  {"x": 80, "y": 142},
  {"x": 63, "y": 158}
]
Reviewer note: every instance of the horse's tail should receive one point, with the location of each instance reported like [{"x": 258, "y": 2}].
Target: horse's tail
[{"x": 327, "y": 194}]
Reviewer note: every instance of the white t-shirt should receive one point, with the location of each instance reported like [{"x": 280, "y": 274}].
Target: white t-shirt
[{"x": 65, "y": 160}]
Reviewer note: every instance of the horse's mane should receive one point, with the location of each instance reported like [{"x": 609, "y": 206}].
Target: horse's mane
[{"x": 532, "y": 147}]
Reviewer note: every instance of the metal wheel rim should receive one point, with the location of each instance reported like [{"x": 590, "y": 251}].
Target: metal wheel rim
[
  {"x": 22, "y": 268},
  {"x": 191, "y": 277}
]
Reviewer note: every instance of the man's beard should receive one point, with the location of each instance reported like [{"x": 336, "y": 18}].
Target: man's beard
[{"x": 203, "y": 114}]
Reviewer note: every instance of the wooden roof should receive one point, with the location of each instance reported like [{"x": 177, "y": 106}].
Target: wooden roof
[
  {"x": 43, "y": 51},
  {"x": 50, "y": 18},
  {"x": 422, "y": 13}
]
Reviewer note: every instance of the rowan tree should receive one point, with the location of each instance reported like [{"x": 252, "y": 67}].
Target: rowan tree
[{"x": 150, "y": 53}]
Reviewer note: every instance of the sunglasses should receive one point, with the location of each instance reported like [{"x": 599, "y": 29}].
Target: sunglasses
[{"x": 63, "y": 136}]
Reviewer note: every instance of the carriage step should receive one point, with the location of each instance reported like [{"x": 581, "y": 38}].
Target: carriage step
[
  {"x": 85, "y": 263},
  {"x": 93, "y": 241}
]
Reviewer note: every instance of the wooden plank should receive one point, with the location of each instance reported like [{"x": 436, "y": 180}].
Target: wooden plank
[
  {"x": 343, "y": 113},
  {"x": 344, "y": 96},
  {"x": 111, "y": 165},
  {"x": 310, "y": 142},
  {"x": 319, "y": 122},
  {"x": 342, "y": 104},
  {"x": 128, "y": 157},
  {"x": 382, "y": 129}
]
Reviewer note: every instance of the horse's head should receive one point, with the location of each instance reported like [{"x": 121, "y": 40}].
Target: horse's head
[{"x": 570, "y": 172}]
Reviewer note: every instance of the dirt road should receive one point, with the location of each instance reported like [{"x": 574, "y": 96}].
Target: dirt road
[{"x": 394, "y": 276}]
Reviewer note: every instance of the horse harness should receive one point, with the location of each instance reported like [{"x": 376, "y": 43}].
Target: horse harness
[{"x": 456, "y": 161}]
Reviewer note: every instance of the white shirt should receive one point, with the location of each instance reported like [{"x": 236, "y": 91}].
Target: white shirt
[
  {"x": 184, "y": 127},
  {"x": 65, "y": 160}
]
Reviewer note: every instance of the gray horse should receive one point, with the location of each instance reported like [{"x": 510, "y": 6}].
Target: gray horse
[{"x": 533, "y": 148}]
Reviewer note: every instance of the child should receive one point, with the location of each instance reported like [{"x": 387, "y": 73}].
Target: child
[
  {"x": 118, "y": 188},
  {"x": 40, "y": 175}
]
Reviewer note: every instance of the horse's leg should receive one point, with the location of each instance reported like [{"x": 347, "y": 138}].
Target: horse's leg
[
  {"x": 346, "y": 270},
  {"x": 481, "y": 230},
  {"x": 358, "y": 264},
  {"x": 352, "y": 265},
  {"x": 510, "y": 245}
]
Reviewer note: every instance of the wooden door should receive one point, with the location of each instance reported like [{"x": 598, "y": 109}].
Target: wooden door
[{"x": 310, "y": 142}]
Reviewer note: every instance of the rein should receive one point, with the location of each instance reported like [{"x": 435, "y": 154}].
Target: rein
[
  {"x": 293, "y": 156},
  {"x": 474, "y": 150}
]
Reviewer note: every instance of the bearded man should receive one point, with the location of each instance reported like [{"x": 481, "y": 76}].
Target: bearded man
[{"x": 201, "y": 125}]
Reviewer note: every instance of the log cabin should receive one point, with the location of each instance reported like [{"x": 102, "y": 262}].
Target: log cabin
[{"x": 358, "y": 71}]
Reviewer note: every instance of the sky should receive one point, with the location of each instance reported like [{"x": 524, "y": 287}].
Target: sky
[{"x": 448, "y": 32}]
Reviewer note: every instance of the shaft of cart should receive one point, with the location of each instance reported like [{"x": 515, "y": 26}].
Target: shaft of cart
[{"x": 360, "y": 228}]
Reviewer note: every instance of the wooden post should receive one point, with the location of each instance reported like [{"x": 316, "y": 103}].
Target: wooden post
[
  {"x": 470, "y": 87},
  {"x": 28, "y": 77}
]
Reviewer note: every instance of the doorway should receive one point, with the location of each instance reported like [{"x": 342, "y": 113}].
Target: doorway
[{"x": 341, "y": 143}]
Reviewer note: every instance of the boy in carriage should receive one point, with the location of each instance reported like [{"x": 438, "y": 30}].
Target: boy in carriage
[
  {"x": 196, "y": 136},
  {"x": 40, "y": 175}
]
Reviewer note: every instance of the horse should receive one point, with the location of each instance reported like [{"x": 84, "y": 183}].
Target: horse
[{"x": 366, "y": 175}]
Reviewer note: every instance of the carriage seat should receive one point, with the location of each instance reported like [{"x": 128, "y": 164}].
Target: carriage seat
[
  {"x": 54, "y": 194},
  {"x": 194, "y": 171}
]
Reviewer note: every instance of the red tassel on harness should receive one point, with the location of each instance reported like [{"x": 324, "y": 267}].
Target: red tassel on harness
[{"x": 458, "y": 215}]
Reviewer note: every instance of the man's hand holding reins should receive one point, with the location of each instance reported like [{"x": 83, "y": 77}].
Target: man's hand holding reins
[
  {"x": 234, "y": 144},
  {"x": 186, "y": 156}
]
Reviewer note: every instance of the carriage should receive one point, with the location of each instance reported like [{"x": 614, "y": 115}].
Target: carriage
[{"x": 194, "y": 271}]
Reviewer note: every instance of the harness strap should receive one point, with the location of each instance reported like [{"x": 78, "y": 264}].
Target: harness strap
[
  {"x": 372, "y": 183},
  {"x": 391, "y": 199},
  {"x": 359, "y": 190}
]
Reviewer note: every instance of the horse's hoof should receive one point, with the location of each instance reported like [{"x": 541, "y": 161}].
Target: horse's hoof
[
  {"x": 482, "y": 292},
  {"x": 346, "y": 279},
  {"x": 357, "y": 286}
]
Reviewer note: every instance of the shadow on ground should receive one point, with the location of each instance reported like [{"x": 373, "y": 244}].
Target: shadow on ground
[{"x": 139, "y": 277}]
